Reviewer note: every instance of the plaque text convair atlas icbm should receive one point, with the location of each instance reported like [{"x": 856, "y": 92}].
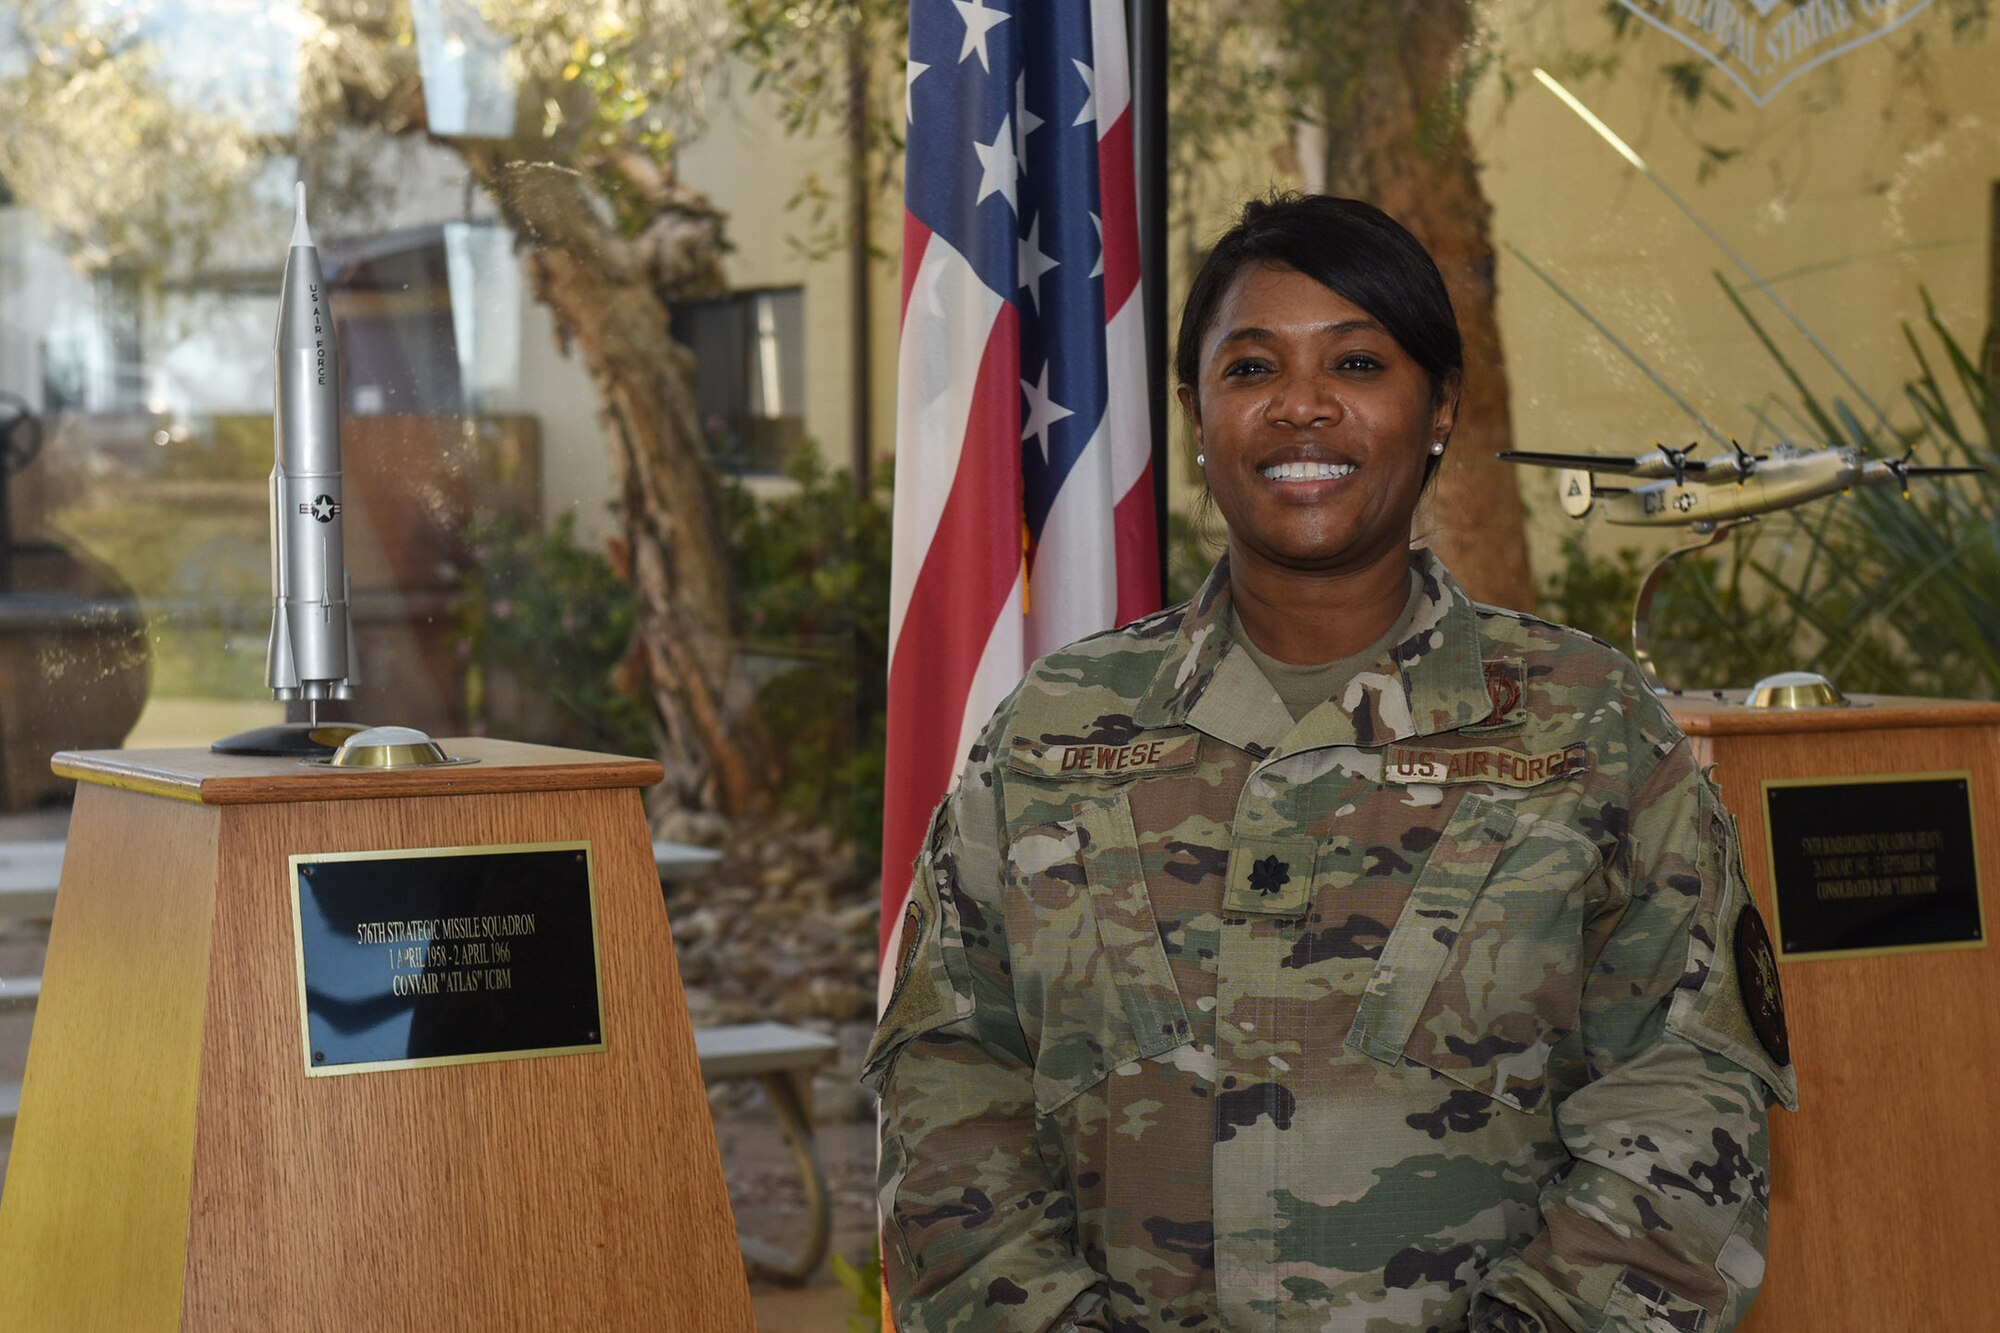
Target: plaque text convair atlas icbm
[{"x": 311, "y": 654}]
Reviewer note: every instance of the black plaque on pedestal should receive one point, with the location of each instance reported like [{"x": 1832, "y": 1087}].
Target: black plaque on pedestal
[
  {"x": 446, "y": 955},
  {"x": 1870, "y": 865}
]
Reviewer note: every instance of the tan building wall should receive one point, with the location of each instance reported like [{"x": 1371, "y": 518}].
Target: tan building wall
[
  {"x": 747, "y": 162},
  {"x": 1858, "y": 184}
]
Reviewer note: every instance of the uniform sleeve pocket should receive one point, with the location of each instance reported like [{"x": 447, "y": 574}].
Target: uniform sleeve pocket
[
  {"x": 1640, "y": 1305},
  {"x": 1729, "y": 1000},
  {"x": 1480, "y": 978},
  {"x": 930, "y": 989},
  {"x": 1091, "y": 978}
]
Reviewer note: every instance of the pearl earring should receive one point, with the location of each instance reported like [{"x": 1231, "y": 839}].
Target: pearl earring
[
  {"x": 1201, "y": 460},
  {"x": 1437, "y": 446}
]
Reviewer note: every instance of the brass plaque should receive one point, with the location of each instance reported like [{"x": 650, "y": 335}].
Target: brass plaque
[
  {"x": 446, "y": 955},
  {"x": 1870, "y": 865}
]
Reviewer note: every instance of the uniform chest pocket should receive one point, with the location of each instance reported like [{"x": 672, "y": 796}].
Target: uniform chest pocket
[
  {"x": 1483, "y": 974},
  {"x": 1091, "y": 979}
]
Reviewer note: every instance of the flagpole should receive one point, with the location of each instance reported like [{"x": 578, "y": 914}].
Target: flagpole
[{"x": 1146, "y": 22}]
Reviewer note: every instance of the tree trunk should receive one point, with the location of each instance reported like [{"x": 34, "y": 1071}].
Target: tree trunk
[
  {"x": 612, "y": 295},
  {"x": 1394, "y": 134}
]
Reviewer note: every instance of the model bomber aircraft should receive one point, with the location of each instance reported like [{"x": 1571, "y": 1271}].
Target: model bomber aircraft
[{"x": 1684, "y": 491}]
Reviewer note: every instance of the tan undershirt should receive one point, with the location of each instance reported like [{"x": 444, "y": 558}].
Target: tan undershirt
[{"x": 1304, "y": 688}]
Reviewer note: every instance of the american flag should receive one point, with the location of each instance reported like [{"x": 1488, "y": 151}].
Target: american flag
[{"x": 1024, "y": 497}]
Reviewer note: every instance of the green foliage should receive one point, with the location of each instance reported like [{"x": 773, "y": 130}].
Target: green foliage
[
  {"x": 864, "y": 1284},
  {"x": 542, "y": 622},
  {"x": 542, "y": 627},
  {"x": 1592, "y": 592},
  {"x": 623, "y": 77},
  {"x": 124, "y": 174},
  {"x": 1220, "y": 85},
  {"x": 812, "y": 576},
  {"x": 1707, "y": 631},
  {"x": 825, "y": 64},
  {"x": 804, "y": 52},
  {"x": 1907, "y": 590}
]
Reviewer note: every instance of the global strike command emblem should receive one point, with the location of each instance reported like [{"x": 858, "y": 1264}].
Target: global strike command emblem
[{"x": 1757, "y": 979}]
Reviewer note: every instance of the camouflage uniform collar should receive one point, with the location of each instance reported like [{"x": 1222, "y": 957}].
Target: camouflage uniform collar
[{"x": 1431, "y": 682}]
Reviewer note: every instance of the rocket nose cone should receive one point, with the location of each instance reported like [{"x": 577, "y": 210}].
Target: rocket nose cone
[{"x": 301, "y": 235}]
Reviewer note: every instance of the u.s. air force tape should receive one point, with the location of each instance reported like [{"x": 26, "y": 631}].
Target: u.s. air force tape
[{"x": 1410, "y": 765}]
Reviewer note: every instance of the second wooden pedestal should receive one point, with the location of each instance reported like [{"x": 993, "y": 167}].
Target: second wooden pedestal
[{"x": 1886, "y": 1206}]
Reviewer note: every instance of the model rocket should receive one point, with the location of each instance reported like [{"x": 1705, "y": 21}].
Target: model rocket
[{"x": 311, "y": 654}]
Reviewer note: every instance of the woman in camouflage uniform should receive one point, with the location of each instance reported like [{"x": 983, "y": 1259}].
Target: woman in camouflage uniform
[{"x": 1331, "y": 952}]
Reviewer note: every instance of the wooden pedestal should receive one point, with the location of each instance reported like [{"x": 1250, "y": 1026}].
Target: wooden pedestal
[
  {"x": 1886, "y": 1204},
  {"x": 175, "y": 1168}
]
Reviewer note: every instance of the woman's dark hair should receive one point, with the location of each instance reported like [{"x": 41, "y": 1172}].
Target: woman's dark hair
[{"x": 1356, "y": 250}]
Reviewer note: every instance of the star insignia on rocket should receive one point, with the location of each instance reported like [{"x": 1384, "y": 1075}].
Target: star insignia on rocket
[
  {"x": 1269, "y": 875},
  {"x": 324, "y": 508}
]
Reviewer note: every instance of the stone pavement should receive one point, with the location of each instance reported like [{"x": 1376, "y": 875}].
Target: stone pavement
[{"x": 765, "y": 1191}]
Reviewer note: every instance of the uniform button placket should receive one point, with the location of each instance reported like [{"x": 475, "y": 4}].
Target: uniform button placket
[{"x": 1248, "y": 1166}]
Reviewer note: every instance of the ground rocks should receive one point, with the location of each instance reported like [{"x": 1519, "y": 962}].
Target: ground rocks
[{"x": 783, "y": 928}]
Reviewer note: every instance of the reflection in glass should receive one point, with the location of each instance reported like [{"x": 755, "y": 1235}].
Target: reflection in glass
[
  {"x": 464, "y": 62},
  {"x": 750, "y": 375}
]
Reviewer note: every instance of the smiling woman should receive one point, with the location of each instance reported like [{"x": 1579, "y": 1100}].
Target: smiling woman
[
  {"x": 1366, "y": 977},
  {"x": 1317, "y": 424}
]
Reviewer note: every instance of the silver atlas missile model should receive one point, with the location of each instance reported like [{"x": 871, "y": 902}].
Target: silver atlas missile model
[{"x": 311, "y": 654}]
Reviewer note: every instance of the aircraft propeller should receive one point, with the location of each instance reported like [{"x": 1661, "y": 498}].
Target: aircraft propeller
[
  {"x": 1677, "y": 459},
  {"x": 1746, "y": 462},
  {"x": 1902, "y": 468}
]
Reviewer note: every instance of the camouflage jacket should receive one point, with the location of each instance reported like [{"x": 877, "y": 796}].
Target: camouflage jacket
[{"x": 1445, "y": 1007}]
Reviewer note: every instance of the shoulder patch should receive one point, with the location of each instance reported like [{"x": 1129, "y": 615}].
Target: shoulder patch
[
  {"x": 1155, "y": 755},
  {"x": 909, "y": 940},
  {"x": 1757, "y": 980},
  {"x": 925, "y": 995}
]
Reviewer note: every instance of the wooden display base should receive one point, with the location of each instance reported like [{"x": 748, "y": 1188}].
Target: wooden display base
[
  {"x": 175, "y": 1168},
  {"x": 1887, "y": 1181}
]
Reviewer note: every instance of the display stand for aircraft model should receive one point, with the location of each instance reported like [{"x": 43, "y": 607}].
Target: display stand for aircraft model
[
  {"x": 205, "y": 1140},
  {"x": 1887, "y": 832}
]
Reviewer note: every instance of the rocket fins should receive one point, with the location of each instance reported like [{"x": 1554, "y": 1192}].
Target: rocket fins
[{"x": 280, "y": 672}]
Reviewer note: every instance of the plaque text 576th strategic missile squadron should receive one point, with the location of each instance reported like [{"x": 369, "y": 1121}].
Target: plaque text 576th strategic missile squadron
[{"x": 446, "y": 955}]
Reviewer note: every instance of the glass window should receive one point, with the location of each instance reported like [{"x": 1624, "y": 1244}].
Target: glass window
[
  {"x": 749, "y": 351},
  {"x": 587, "y": 500}
]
